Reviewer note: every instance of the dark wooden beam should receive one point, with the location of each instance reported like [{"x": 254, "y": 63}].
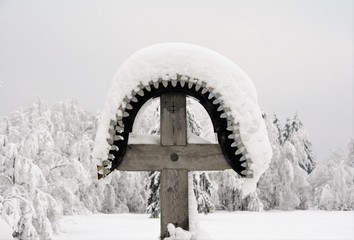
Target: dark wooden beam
[
  {"x": 174, "y": 199},
  {"x": 154, "y": 157},
  {"x": 174, "y": 182}
]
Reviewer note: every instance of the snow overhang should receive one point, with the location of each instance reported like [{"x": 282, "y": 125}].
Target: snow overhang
[{"x": 191, "y": 69}]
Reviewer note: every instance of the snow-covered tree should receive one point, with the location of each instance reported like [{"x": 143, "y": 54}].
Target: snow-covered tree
[
  {"x": 37, "y": 211},
  {"x": 284, "y": 185},
  {"x": 45, "y": 166},
  {"x": 202, "y": 190},
  {"x": 295, "y": 133},
  {"x": 251, "y": 202},
  {"x": 153, "y": 200},
  {"x": 276, "y": 122},
  {"x": 148, "y": 119},
  {"x": 228, "y": 190},
  {"x": 294, "y": 188},
  {"x": 193, "y": 125},
  {"x": 129, "y": 190},
  {"x": 332, "y": 182},
  {"x": 269, "y": 184}
]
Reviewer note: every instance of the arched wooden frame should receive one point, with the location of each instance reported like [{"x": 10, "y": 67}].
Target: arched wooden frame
[{"x": 223, "y": 122}]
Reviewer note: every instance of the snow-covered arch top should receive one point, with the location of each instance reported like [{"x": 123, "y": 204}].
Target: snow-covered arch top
[{"x": 171, "y": 61}]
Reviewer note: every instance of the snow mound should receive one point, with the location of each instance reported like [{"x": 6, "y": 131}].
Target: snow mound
[
  {"x": 177, "y": 233},
  {"x": 144, "y": 139},
  {"x": 168, "y": 60},
  {"x": 155, "y": 139}
]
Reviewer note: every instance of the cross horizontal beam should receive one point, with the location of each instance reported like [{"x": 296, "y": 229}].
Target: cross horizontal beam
[{"x": 154, "y": 157}]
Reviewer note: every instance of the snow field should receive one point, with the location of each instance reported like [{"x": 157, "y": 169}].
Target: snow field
[
  {"x": 290, "y": 225},
  {"x": 306, "y": 225}
]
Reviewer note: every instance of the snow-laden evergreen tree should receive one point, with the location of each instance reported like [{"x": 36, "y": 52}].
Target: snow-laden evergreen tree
[
  {"x": 193, "y": 125},
  {"x": 294, "y": 187},
  {"x": 202, "y": 190},
  {"x": 295, "y": 133},
  {"x": 284, "y": 185},
  {"x": 153, "y": 200},
  {"x": 278, "y": 132}
]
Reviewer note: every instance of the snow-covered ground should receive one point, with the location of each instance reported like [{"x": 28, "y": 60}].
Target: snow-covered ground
[
  {"x": 314, "y": 225},
  {"x": 5, "y": 230}
]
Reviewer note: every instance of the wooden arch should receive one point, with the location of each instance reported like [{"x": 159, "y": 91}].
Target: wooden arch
[{"x": 224, "y": 124}]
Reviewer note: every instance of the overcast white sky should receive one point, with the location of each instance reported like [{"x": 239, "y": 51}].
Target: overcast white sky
[{"x": 298, "y": 53}]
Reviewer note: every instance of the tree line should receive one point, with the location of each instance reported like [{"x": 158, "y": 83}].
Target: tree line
[{"x": 47, "y": 171}]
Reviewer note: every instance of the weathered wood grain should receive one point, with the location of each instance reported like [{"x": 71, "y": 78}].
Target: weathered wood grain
[
  {"x": 194, "y": 157},
  {"x": 174, "y": 199},
  {"x": 174, "y": 182},
  {"x": 173, "y": 123}
]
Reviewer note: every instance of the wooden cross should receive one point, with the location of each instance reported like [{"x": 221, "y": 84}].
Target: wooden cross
[{"x": 174, "y": 158}]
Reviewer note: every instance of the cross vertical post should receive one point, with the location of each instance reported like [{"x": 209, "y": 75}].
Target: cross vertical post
[
  {"x": 173, "y": 120},
  {"x": 173, "y": 182}
]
